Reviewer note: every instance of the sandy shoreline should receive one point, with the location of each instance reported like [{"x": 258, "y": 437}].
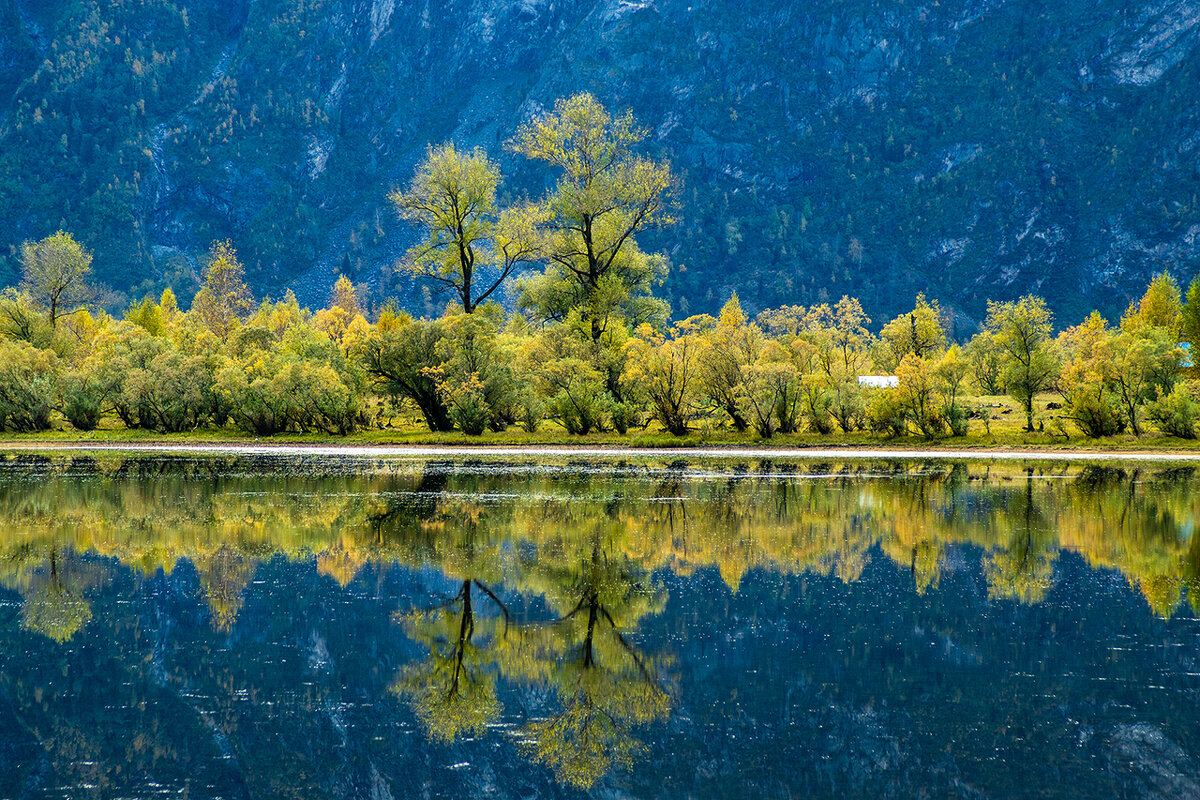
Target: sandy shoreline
[{"x": 732, "y": 452}]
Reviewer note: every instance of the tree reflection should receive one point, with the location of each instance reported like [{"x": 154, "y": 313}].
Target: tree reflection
[
  {"x": 452, "y": 691},
  {"x": 226, "y": 516},
  {"x": 224, "y": 576},
  {"x": 605, "y": 687},
  {"x": 54, "y": 604},
  {"x": 1023, "y": 568},
  {"x": 53, "y": 582}
]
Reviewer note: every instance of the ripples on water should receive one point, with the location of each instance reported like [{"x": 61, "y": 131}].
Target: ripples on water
[{"x": 338, "y": 626}]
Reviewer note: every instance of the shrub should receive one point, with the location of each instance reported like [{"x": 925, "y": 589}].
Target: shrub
[
  {"x": 530, "y": 411},
  {"x": 81, "y": 400},
  {"x": 258, "y": 403},
  {"x": 465, "y": 400},
  {"x": 1175, "y": 413},
  {"x": 1094, "y": 410},
  {"x": 627, "y": 415},
  {"x": 396, "y": 359},
  {"x": 28, "y": 386},
  {"x": 958, "y": 418},
  {"x": 885, "y": 414},
  {"x": 577, "y": 397}
]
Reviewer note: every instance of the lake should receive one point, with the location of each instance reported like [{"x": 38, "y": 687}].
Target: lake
[{"x": 295, "y": 625}]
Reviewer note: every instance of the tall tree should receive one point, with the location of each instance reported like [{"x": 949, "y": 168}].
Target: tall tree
[
  {"x": 1161, "y": 306},
  {"x": 470, "y": 246},
  {"x": 345, "y": 296},
  {"x": 55, "y": 273},
  {"x": 224, "y": 298},
  {"x": 919, "y": 332},
  {"x": 1022, "y": 330},
  {"x": 605, "y": 196}
]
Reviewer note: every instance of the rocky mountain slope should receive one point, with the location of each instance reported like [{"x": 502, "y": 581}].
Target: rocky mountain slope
[{"x": 972, "y": 149}]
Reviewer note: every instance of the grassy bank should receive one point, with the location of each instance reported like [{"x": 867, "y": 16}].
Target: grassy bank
[{"x": 1002, "y": 431}]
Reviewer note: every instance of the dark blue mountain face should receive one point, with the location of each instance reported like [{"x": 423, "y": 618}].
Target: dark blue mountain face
[{"x": 971, "y": 149}]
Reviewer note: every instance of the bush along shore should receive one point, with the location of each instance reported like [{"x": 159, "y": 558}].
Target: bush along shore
[{"x": 586, "y": 350}]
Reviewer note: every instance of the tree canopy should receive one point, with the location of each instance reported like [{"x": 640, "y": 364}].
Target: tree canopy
[
  {"x": 606, "y": 194},
  {"x": 55, "y": 274},
  {"x": 470, "y": 245}
]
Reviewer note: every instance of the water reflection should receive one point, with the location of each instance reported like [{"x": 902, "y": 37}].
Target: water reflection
[{"x": 547, "y": 577}]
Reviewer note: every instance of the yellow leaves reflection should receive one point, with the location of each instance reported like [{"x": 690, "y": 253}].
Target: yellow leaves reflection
[{"x": 591, "y": 551}]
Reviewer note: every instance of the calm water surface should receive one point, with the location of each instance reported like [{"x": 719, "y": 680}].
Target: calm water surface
[{"x": 292, "y": 626}]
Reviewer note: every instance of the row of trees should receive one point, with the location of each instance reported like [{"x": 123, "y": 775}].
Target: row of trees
[
  {"x": 588, "y": 346},
  {"x": 273, "y": 366}
]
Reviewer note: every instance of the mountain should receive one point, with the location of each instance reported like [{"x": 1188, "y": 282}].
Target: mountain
[{"x": 971, "y": 149}]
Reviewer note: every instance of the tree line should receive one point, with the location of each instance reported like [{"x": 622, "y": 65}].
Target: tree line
[{"x": 586, "y": 345}]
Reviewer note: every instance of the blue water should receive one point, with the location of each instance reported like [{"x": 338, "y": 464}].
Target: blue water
[{"x": 306, "y": 627}]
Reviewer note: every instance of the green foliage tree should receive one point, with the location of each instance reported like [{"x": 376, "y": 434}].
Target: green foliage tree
[
  {"x": 399, "y": 360},
  {"x": 1176, "y": 413},
  {"x": 727, "y": 349},
  {"x": 149, "y": 315},
  {"x": 303, "y": 382},
  {"x": 817, "y": 403},
  {"x": 842, "y": 343},
  {"x": 1090, "y": 402},
  {"x": 174, "y": 389},
  {"x": 606, "y": 195},
  {"x": 1138, "y": 365},
  {"x": 919, "y": 332},
  {"x": 581, "y": 379},
  {"x": 951, "y": 373},
  {"x": 20, "y": 318},
  {"x": 886, "y": 415},
  {"x": 82, "y": 398},
  {"x": 1022, "y": 329},
  {"x": 768, "y": 385},
  {"x": 224, "y": 298},
  {"x": 1115, "y": 373},
  {"x": 259, "y": 401},
  {"x": 985, "y": 356},
  {"x": 55, "y": 273},
  {"x": 665, "y": 369},
  {"x": 477, "y": 377},
  {"x": 122, "y": 351},
  {"x": 470, "y": 246},
  {"x": 576, "y": 396},
  {"x": 1161, "y": 306},
  {"x": 28, "y": 386},
  {"x": 841, "y": 335},
  {"x": 1189, "y": 317},
  {"x": 918, "y": 396}
]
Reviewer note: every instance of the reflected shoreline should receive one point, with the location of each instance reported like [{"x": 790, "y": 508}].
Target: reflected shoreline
[
  {"x": 605, "y": 451},
  {"x": 815, "y": 515}
]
